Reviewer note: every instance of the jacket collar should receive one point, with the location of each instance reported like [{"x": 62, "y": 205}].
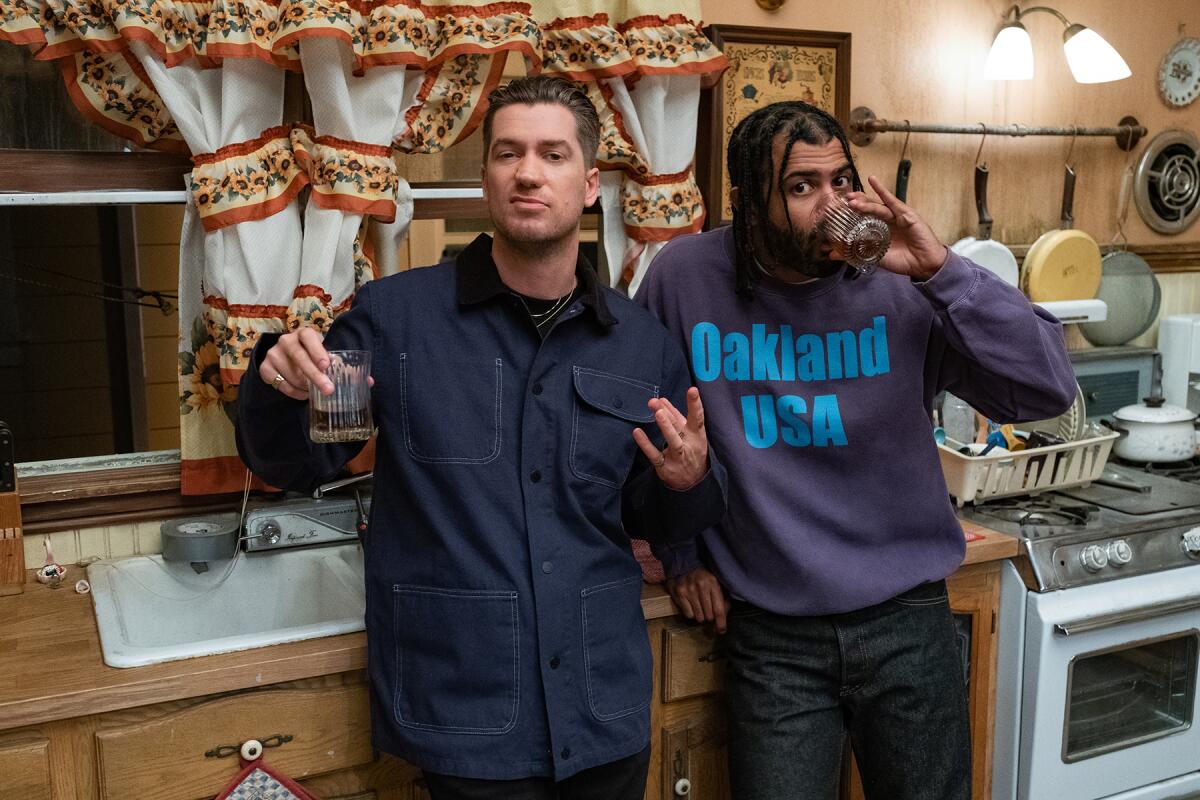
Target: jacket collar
[{"x": 478, "y": 280}]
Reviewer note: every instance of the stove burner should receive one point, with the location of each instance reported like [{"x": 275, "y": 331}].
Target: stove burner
[
  {"x": 1188, "y": 471},
  {"x": 1030, "y": 512}
]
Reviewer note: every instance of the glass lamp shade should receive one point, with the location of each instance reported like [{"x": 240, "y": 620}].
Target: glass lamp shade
[
  {"x": 1011, "y": 56},
  {"x": 1091, "y": 59}
]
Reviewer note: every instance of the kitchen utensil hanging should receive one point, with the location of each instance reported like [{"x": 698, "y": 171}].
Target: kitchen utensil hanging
[
  {"x": 982, "y": 248},
  {"x": 1127, "y": 286},
  {"x": 1064, "y": 263},
  {"x": 903, "y": 169}
]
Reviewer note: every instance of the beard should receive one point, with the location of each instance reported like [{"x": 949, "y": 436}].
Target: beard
[{"x": 798, "y": 251}]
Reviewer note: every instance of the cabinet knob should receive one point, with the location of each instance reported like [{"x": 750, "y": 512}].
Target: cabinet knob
[
  {"x": 683, "y": 787},
  {"x": 251, "y": 749}
]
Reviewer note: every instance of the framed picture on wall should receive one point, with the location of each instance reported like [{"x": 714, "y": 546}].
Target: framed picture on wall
[{"x": 765, "y": 65}]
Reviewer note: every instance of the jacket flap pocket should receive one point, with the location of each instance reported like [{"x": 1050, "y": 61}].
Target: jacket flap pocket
[{"x": 614, "y": 394}]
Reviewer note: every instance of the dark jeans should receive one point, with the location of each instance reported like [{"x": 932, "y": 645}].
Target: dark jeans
[
  {"x": 889, "y": 675},
  {"x": 624, "y": 779}
]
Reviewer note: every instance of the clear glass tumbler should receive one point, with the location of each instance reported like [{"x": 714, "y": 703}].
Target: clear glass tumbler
[
  {"x": 345, "y": 415},
  {"x": 862, "y": 240}
]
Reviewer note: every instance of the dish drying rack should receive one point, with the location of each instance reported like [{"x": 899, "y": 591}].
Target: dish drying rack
[{"x": 975, "y": 479}]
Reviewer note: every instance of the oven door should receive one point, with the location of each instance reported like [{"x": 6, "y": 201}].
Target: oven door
[{"x": 1109, "y": 688}]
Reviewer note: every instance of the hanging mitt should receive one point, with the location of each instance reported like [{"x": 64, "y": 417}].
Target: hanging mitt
[{"x": 257, "y": 781}]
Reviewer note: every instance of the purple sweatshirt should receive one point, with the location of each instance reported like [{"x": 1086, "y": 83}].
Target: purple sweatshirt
[{"x": 817, "y": 400}]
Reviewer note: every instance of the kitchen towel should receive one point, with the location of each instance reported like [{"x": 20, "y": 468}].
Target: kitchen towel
[{"x": 257, "y": 781}]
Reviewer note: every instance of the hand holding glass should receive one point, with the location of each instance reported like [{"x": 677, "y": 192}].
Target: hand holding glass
[{"x": 344, "y": 415}]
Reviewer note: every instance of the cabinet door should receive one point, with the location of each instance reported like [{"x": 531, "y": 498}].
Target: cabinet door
[
  {"x": 693, "y": 752},
  {"x": 974, "y": 599},
  {"x": 25, "y": 767}
]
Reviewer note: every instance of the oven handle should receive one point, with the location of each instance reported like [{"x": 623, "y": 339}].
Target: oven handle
[{"x": 1132, "y": 615}]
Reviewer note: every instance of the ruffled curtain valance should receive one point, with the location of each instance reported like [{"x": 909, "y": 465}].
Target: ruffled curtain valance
[{"x": 385, "y": 79}]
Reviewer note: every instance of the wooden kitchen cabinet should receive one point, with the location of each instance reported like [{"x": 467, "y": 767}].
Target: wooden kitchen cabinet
[
  {"x": 974, "y": 600},
  {"x": 161, "y": 752},
  {"x": 687, "y": 719},
  {"x": 25, "y": 766}
]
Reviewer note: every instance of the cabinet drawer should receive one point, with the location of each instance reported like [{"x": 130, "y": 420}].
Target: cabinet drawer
[
  {"x": 693, "y": 662},
  {"x": 162, "y": 753},
  {"x": 25, "y": 767}
]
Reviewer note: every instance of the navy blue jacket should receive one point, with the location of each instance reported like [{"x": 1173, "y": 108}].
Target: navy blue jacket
[{"x": 505, "y": 630}]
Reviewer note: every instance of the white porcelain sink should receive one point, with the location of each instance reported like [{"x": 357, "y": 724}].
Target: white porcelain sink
[{"x": 150, "y": 610}]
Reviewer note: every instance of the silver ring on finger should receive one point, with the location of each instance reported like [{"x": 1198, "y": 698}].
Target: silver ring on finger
[
  {"x": 662, "y": 459},
  {"x": 279, "y": 381}
]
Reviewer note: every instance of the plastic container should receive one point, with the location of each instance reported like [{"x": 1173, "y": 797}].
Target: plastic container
[
  {"x": 958, "y": 419},
  {"x": 974, "y": 479}
]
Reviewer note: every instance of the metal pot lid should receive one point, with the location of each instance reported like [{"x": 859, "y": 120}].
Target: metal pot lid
[{"x": 1153, "y": 409}]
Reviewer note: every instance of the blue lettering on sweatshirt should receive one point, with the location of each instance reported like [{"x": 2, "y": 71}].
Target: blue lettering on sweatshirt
[
  {"x": 767, "y": 355},
  {"x": 780, "y": 355},
  {"x": 767, "y": 419}
]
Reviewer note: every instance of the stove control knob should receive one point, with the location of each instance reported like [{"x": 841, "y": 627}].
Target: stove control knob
[
  {"x": 1119, "y": 552},
  {"x": 269, "y": 531},
  {"x": 1094, "y": 558},
  {"x": 1191, "y": 542}
]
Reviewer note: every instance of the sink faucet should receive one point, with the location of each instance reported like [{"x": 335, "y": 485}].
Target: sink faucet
[
  {"x": 329, "y": 487},
  {"x": 360, "y": 524}
]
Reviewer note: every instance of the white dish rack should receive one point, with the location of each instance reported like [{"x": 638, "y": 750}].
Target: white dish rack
[{"x": 975, "y": 479}]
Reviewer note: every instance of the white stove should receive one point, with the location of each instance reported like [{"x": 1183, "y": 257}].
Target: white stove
[{"x": 1099, "y": 640}]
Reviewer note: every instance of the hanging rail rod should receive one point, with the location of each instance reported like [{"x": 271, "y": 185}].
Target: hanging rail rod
[{"x": 864, "y": 127}]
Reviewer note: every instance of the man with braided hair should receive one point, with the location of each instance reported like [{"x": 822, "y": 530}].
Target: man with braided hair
[{"x": 817, "y": 385}]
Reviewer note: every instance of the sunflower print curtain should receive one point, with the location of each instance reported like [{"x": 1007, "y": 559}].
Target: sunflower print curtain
[{"x": 385, "y": 78}]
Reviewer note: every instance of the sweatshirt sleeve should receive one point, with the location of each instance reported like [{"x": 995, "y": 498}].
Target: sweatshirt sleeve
[
  {"x": 678, "y": 557},
  {"x": 272, "y": 428},
  {"x": 654, "y": 511},
  {"x": 993, "y": 348}
]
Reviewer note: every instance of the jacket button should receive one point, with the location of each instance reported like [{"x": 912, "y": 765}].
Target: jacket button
[
  {"x": 547, "y": 567},
  {"x": 554, "y": 662},
  {"x": 535, "y": 476},
  {"x": 537, "y": 388},
  {"x": 618, "y": 402},
  {"x": 566, "y": 752}
]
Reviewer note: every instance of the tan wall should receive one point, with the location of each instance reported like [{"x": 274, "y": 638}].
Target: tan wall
[
  {"x": 158, "y": 230},
  {"x": 923, "y": 60}
]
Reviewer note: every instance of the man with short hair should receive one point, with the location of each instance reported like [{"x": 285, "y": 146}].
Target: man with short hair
[
  {"x": 818, "y": 385},
  {"x": 516, "y": 400}
]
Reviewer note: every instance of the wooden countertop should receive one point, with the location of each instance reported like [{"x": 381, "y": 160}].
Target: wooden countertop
[{"x": 52, "y": 669}]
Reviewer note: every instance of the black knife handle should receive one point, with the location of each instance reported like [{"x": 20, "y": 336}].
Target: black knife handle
[
  {"x": 902, "y": 170},
  {"x": 985, "y": 219},
  {"x": 1068, "y": 204}
]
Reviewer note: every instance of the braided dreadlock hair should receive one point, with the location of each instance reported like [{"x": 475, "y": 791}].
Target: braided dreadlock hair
[{"x": 753, "y": 171}]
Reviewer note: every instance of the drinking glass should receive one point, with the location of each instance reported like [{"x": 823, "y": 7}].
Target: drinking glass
[
  {"x": 345, "y": 415},
  {"x": 862, "y": 240}
]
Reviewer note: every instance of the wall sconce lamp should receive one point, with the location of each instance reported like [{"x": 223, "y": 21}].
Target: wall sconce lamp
[{"x": 1090, "y": 57}]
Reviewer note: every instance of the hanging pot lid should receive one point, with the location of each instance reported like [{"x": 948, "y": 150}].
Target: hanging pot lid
[{"x": 1153, "y": 409}]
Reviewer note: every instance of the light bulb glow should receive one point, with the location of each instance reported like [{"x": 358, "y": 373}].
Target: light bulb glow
[
  {"x": 1011, "y": 56},
  {"x": 1091, "y": 58}
]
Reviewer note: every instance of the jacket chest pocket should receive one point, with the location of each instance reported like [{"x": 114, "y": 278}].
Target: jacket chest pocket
[
  {"x": 607, "y": 409},
  {"x": 451, "y": 410}
]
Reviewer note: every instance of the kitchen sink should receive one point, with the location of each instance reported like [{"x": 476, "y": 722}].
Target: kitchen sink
[{"x": 150, "y": 610}]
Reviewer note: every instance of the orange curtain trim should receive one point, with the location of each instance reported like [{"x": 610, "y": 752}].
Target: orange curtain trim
[
  {"x": 256, "y": 211},
  {"x": 218, "y": 475},
  {"x": 384, "y": 210},
  {"x": 79, "y": 99}
]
